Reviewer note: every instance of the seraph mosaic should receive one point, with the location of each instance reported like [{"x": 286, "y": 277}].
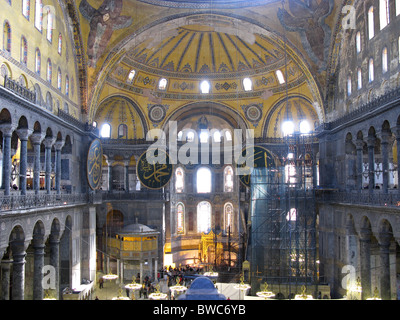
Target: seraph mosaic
[
  {"x": 103, "y": 22},
  {"x": 308, "y": 19}
]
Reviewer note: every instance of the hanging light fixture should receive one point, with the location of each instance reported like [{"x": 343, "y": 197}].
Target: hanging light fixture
[
  {"x": 211, "y": 273},
  {"x": 264, "y": 293},
  {"x": 48, "y": 297},
  {"x": 157, "y": 295},
  {"x": 110, "y": 276},
  {"x": 376, "y": 295},
  {"x": 120, "y": 297},
  {"x": 242, "y": 286},
  {"x": 133, "y": 285},
  {"x": 303, "y": 295},
  {"x": 178, "y": 287}
]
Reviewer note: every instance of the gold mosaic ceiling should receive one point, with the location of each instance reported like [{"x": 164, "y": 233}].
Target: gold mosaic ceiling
[{"x": 201, "y": 50}]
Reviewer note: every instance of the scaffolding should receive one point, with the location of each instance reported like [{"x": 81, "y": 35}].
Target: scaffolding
[{"x": 282, "y": 246}]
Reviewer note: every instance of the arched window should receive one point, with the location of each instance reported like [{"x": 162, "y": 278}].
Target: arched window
[
  {"x": 247, "y": 84},
  {"x": 371, "y": 70},
  {"x": 59, "y": 79},
  {"x": 38, "y": 14},
  {"x": 162, "y": 84},
  {"x": 179, "y": 180},
  {"x": 7, "y": 37},
  {"x": 105, "y": 131},
  {"x": 203, "y": 180},
  {"x": 384, "y": 60},
  {"x": 122, "y": 131},
  {"x": 180, "y": 218},
  {"x": 228, "y": 179},
  {"x": 358, "y": 42},
  {"x": 49, "y": 70},
  {"x": 228, "y": 217},
  {"x": 290, "y": 173},
  {"x": 217, "y": 136},
  {"x": 205, "y": 87},
  {"x": 279, "y": 75},
  {"x": 131, "y": 76},
  {"x": 26, "y": 8},
  {"x": 24, "y": 51},
  {"x": 37, "y": 61},
  {"x": 228, "y": 135},
  {"x": 305, "y": 127},
  {"x": 349, "y": 86},
  {"x": 292, "y": 215},
  {"x": 67, "y": 86},
  {"x": 59, "y": 44},
  {"x": 50, "y": 23},
  {"x": 384, "y": 13},
  {"x": 397, "y": 7},
  {"x": 204, "y": 217},
  {"x": 359, "y": 79},
  {"x": 371, "y": 23},
  {"x": 287, "y": 127},
  {"x": 204, "y": 136}
]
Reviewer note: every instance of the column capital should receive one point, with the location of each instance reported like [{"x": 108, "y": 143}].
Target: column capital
[
  {"x": 385, "y": 136},
  {"x": 59, "y": 144},
  {"x": 384, "y": 239},
  {"x": 23, "y": 134},
  {"x": 365, "y": 234},
  {"x": 36, "y": 138},
  {"x": 7, "y": 129},
  {"x": 48, "y": 142},
  {"x": 359, "y": 144},
  {"x": 371, "y": 142}
]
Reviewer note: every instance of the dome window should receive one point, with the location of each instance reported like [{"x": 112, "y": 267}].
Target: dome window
[
  {"x": 205, "y": 87},
  {"x": 162, "y": 84},
  {"x": 131, "y": 76},
  {"x": 280, "y": 76},
  {"x": 247, "y": 84}
]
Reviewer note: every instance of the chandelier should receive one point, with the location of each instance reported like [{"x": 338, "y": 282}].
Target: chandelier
[
  {"x": 211, "y": 273},
  {"x": 157, "y": 295},
  {"x": 242, "y": 286},
  {"x": 133, "y": 285},
  {"x": 120, "y": 297},
  {"x": 178, "y": 287},
  {"x": 264, "y": 293},
  {"x": 110, "y": 276},
  {"x": 376, "y": 295},
  {"x": 303, "y": 295}
]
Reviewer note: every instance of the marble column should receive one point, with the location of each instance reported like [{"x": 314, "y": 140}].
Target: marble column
[
  {"x": 18, "y": 248},
  {"x": 384, "y": 245},
  {"x": 36, "y": 139},
  {"x": 54, "y": 244},
  {"x": 371, "y": 164},
  {"x": 23, "y": 135},
  {"x": 359, "y": 163},
  {"x": 48, "y": 143},
  {"x": 5, "y": 279},
  {"x": 7, "y": 133},
  {"x": 365, "y": 262},
  {"x": 126, "y": 163},
  {"x": 58, "y": 146},
  {"x": 385, "y": 160},
  {"x": 38, "y": 263}
]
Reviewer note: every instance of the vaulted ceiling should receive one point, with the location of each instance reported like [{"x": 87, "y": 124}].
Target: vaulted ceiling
[{"x": 221, "y": 41}]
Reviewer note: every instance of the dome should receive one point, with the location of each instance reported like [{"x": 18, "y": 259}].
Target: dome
[{"x": 137, "y": 228}]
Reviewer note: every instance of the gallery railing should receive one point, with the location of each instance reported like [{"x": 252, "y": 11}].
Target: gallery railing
[
  {"x": 42, "y": 200},
  {"x": 20, "y": 90},
  {"x": 14, "y": 202},
  {"x": 362, "y": 198}
]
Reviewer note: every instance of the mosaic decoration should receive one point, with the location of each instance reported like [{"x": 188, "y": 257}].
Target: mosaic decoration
[
  {"x": 253, "y": 113},
  {"x": 154, "y": 173},
  {"x": 94, "y": 164},
  {"x": 226, "y": 86},
  {"x": 157, "y": 113}
]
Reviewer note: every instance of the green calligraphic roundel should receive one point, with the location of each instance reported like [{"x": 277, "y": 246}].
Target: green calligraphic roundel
[
  {"x": 94, "y": 164},
  {"x": 254, "y": 157},
  {"x": 154, "y": 169}
]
